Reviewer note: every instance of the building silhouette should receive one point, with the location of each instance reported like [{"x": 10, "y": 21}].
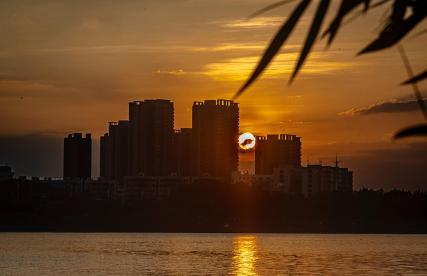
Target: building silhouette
[
  {"x": 6, "y": 173},
  {"x": 275, "y": 151},
  {"x": 103, "y": 156},
  {"x": 151, "y": 129},
  {"x": 307, "y": 181},
  {"x": 182, "y": 149},
  {"x": 215, "y": 133},
  {"x": 114, "y": 151},
  {"x": 318, "y": 178},
  {"x": 77, "y": 156}
]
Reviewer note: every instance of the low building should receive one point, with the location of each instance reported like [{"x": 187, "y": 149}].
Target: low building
[
  {"x": 246, "y": 178},
  {"x": 137, "y": 188},
  {"x": 308, "y": 180},
  {"x": 288, "y": 179},
  {"x": 318, "y": 178},
  {"x": 6, "y": 173},
  {"x": 101, "y": 189}
]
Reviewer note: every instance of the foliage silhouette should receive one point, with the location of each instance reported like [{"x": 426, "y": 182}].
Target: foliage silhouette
[
  {"x": 270, "y": 7},
  {"x": 416, "y": 78},
  {"x": 345, "y": 8},
  {"x": 312, "y": 35},
  {"x": 417, "y": 130},
  {"x": 276, "y": 43},
  {"x": 398, "y": 24}
]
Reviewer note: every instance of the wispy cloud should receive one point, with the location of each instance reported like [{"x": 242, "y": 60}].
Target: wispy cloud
[
  {"x": 173, "y": 72},
  {"x": 391, "y": 106},
  {"x": 229, "y": 47},
  {"x": 255, "y": 23},
  {"x": 136, "y": 49},
  {"x": 238, "y": 69}
]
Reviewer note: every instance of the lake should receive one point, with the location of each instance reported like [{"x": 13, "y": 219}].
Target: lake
[{"x": 217, "y": 254}]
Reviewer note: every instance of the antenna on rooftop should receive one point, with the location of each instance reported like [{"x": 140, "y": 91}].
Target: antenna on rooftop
[{"x": 336, "y": 160}]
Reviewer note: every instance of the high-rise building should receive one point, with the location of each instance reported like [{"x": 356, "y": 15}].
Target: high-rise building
[
  {"x": 215, "y": 134},
  {"x": 114, "y": 155},
  {"x": 77, "y": 156},
  {"x": 277, "y": 151},
  {"x": 182, "y": 148},
  {"x": 103, "y": 156},
  {"x": 151, "y": 128}
]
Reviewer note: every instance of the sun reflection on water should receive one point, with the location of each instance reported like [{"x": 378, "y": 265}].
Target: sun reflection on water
[{"x": 244, "y": 255}]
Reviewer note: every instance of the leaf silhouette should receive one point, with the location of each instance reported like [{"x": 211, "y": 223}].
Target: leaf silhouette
[
  {"x": 417, "y": 91},
  {"x": 398, "y": 26},
  {"x": 416, "y": 78},
  {"x": 312, "y": 35},
  {"x": 345, "y": 8},
  {"x": 360, "y": 13},
  {"x": 270, "y": 7},
  {"x": 412, "y": 131},
  {"x": 275, "y": 44}
]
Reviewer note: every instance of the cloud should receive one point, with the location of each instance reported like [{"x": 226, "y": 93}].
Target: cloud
[
  {"x": 392, "y": 106},
  {"x": 256, "y": 23},
  {"x": 230, "y": 47},
  {"x": 238, "y": 69},
  {"x": 176, "y": 72}
]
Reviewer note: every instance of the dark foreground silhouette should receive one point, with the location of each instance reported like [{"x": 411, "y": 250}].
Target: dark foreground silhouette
[{"x": 212, "y": 207}]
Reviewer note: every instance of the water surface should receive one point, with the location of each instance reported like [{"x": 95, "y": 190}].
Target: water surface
[{"x": 218, "y": 254}]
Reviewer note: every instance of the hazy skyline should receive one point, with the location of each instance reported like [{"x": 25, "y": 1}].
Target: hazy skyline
[{"x": 73, "y": 66}]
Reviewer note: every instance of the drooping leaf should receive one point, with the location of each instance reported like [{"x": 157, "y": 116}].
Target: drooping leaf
[
  {"x": 371, "y": 7},
  {"x": 417, "y": 92},
  {"x": 345, "y": 8},
  {"x": 416, "y": 78},
  {"x": 367, "y": 3},
  {"x": 322, "y": 9},
  {"x": 398, "y": 26},
  {"x": 270, "y": 7},
  {"x": 275, "y": 44},
  {"x": 412, "y": 131}
]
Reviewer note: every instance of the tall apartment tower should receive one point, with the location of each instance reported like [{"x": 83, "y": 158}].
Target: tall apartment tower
[
  {"x": 77, "y": 156},
  {"x": 182, "y": 148},
  {"x": 277, "y": 151},
  {"x": 215, "y": 134},
  {"x": 114, "y": 154},
  {"x": 103, "y": 156},
  {"x": 151, "y": 124}
]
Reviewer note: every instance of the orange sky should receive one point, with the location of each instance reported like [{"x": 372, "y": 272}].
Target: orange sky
[{"x": 70, "y": 66}]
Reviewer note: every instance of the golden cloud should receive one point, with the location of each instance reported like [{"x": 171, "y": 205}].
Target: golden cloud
[{"x": 238, "y": 69}]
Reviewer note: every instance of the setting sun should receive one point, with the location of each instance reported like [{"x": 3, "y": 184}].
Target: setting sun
[{"x": 246, "y": 141}]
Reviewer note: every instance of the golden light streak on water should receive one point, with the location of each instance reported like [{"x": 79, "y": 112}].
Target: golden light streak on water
[{"x": 244, "y": 259}]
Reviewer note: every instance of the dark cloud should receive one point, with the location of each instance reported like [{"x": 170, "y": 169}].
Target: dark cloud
[{"x": 393, "y": 106}]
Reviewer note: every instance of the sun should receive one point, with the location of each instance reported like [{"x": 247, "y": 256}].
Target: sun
[{"x": 246, "y": 141}]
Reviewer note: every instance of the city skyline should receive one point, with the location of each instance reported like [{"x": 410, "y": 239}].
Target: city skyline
[
  {"x": 243, "y": 158},
  {"x": 76, "y": 74},
  {"x": 144, "y": 158}
]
